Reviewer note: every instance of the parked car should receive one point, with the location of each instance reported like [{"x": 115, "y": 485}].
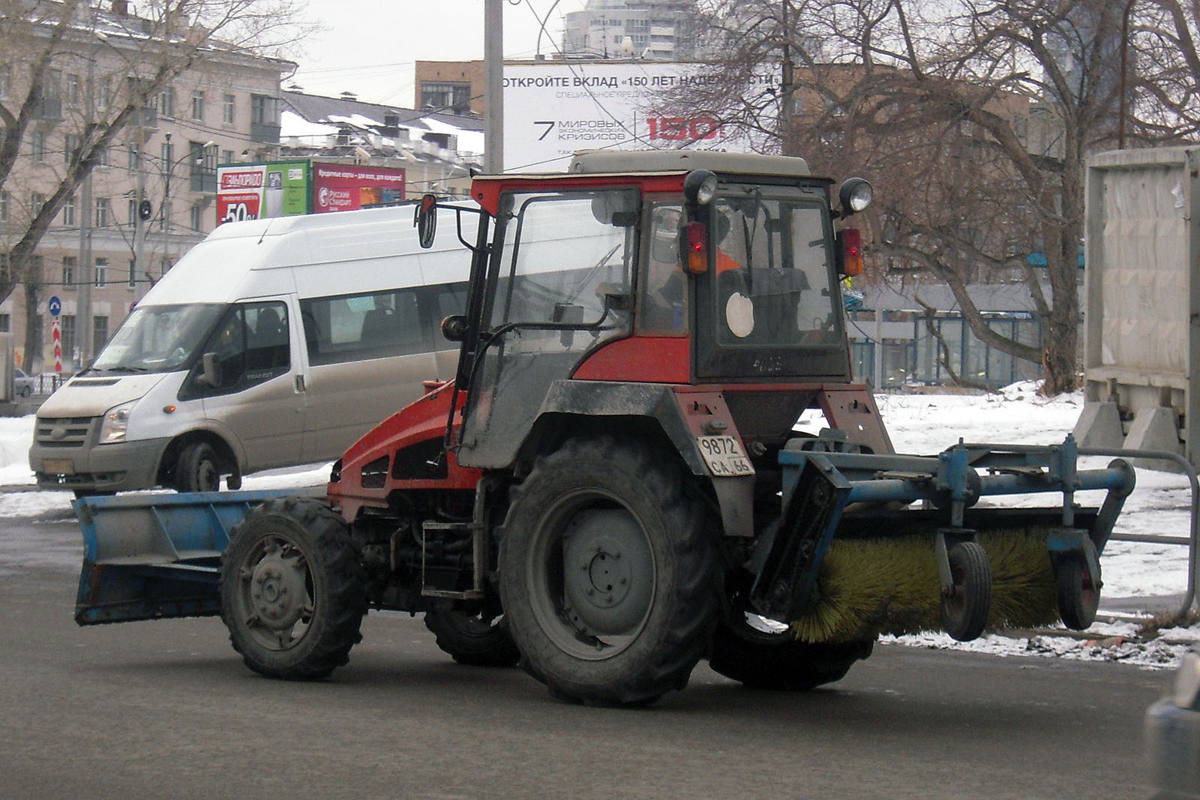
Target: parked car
[
  {"x": 23, "y": 385},
  {"x": 1173, "y": 735}
]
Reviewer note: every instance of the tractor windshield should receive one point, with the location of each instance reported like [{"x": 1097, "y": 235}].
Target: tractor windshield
[{"x": 770, "y": 307}]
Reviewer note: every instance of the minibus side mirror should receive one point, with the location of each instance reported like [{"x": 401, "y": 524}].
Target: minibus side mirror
[{"x": 209, "y": 372}]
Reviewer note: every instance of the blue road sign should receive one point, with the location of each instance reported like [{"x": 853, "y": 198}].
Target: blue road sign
[{"x": 55, "y": 306}]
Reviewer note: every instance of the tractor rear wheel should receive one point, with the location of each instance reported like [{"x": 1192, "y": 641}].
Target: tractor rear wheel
[
  {"x": 476, "y": 639},
  {"x": 292, "y": 590},
  {"x": 608, "y": 573},
  {"x": 761, "y": 659}
]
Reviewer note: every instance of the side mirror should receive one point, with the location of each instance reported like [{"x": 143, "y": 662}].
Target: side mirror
[
  {"x": 454, "y": 328},
  {"x": 210, "y": 373},
  {"x": 425, "y": 220}
]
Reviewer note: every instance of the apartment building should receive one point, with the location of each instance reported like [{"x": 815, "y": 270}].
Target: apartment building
[{"x": 150, "y": 196}]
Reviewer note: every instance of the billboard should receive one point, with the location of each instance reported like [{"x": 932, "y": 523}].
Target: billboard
[
  {"x": 342, "y": 187},
  {"x": 259, "y": 191},
  {"x": 552, "y": 109}
]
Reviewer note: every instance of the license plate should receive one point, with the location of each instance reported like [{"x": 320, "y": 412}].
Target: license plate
[
  {"x": 59, "y": 466},
  {"x": 724, "y": 456}
]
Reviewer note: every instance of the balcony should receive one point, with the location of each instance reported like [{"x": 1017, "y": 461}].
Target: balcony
[
  {"x": 49, "y": 108},
  {"x": 203, "y": 179},
  {"x": 264, "y": 132}
]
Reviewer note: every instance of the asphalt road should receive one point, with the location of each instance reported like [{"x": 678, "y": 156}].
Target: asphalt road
[{"x": 167, "y": 710}]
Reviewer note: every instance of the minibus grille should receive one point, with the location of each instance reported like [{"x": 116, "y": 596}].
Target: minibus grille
[{"x": 63, "y": 431}]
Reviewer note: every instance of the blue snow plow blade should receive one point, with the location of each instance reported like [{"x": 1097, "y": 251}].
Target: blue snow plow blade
[{"x": 156, "y": 556}]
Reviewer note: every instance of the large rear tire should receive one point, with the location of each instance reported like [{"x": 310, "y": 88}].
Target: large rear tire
[
  {"x": 292, "y": 590},
  {"x": 777, "y": 661},
  {"x": 608, "y": 573},
  {"x": 476, "y": 639}
]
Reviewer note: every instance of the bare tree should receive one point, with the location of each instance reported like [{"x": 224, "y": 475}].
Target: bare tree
[
  {"x": 129, "y": 59},
  {"x": 973, "y": 118}
]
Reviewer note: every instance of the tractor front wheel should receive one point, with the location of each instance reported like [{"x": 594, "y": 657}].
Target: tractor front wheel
[
  {"x": 477, "y": 639},
  {"x": 773, "y": 659},
  {"x": 292, "y": 590},
  {"x": 608, "y": 573}
]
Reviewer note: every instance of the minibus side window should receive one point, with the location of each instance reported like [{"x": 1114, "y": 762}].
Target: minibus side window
[{"x": 363, "y": 326}]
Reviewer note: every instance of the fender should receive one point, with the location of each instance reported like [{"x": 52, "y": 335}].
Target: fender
[
  {"x": 405, "y": 451},
  {"x": 683, "y": 413}
]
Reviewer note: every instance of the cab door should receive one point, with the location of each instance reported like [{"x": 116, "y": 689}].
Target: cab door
[{"x": 257, "y": 399}]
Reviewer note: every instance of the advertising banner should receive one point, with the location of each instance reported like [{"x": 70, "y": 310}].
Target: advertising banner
[
  {"x": 261, "y": 191},
  {"x": 552, "y": 109},
  {"x": 342, "y": 187}
]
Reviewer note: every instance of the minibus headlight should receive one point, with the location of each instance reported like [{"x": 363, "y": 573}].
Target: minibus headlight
[{"x": 116, "y": 420}]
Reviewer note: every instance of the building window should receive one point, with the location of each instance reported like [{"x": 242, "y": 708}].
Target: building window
[
  {"x": 3, "y": 206},
  {"x": 101, "y": 156},
  {"x": 198, "y": 104},
  {"x": 228, "y": 107},
  {"x": 70, "y": 147},
  {"x": 5, "y": 81},
  {"x": 264, "y": 110},
  {"x": 133, "y": 212},
  {"x": 39, "y": 146},
  {"x": 5, "y": 323},
  {"x": 68, "y": 212},
  {"x": 197, "y": 218},
  {"x": 164, "y": 216},
  {"x": 99, "y": 333},
  {"x": 455, "y": 98},
  {"x": 4, "y": 274},
  {"x": 68, "y": 272},
  {"x": 226, "y": 156},
  {"x": 100, "y": 218},
  {"x": 166, "y": 101},
  {"x": 72, "y": 90},
  {"x": 132, "y": 273},
  {"x": 166, "y": 156},
  {"x": 101, "y": 273},
  {"x": 103, "y": 93},
  {"x": 36, "y": 201},
  {"x": 135, "y": 158}
]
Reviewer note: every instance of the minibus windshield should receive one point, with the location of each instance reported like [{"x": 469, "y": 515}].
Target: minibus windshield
[{"x": 158, "y": 338}]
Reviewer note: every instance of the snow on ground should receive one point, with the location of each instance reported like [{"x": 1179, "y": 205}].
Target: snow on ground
[{"x": 1140, "y": 579}]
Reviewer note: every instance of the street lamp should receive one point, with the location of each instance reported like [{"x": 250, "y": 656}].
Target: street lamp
[{"x": 166, "y": 170}]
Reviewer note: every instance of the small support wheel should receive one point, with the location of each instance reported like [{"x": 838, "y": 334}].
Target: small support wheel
[
  {"x": 966, "y": 604},
  {"x": 1078, "y": 594}
]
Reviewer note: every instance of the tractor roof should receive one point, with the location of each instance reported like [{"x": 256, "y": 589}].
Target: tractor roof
[{"x": 622, "y": 161}]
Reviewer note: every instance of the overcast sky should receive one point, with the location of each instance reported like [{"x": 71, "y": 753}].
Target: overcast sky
[{"x": 369, "y": 47}]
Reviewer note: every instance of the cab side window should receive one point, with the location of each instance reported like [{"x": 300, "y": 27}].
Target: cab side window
[{"x": 250, "y": 346}]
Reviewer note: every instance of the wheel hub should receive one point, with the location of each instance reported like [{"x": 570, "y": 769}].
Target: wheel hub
[
  {"x": 608, "y": 571},
  {"x": 277, "y": 591}
]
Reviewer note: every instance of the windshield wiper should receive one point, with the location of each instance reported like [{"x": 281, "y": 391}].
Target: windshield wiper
[{"x": 120, "y": 369}]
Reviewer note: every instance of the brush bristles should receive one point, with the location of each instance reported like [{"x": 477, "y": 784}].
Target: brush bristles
[{"x": 872, "y": 586}]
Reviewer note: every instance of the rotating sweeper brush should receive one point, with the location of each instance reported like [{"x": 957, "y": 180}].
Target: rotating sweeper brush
[{"x": 873, "y": 544}]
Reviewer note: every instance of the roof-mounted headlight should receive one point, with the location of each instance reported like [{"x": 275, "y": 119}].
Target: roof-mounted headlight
[
  {"x": 855, "y": 195},
  {"x": 700, "y": 187}
]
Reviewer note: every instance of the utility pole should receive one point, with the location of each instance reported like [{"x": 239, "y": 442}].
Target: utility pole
[
  {"x": 787, "y": 89},
  {"x": 493, "y": 86}
]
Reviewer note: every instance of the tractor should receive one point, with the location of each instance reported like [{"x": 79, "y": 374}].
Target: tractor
[{"x": 613, "y": 488}]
